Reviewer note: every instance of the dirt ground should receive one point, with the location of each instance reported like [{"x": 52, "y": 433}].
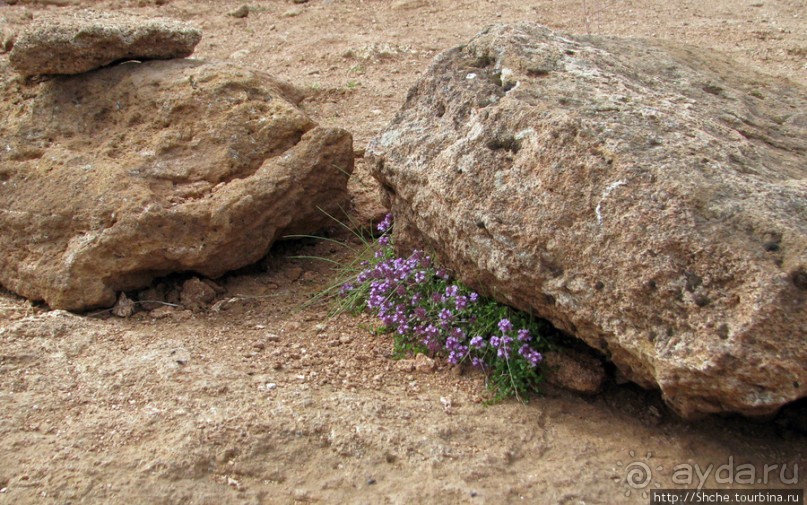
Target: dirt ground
[{"x": 263, "y": 399}]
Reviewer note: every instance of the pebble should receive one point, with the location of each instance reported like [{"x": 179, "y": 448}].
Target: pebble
[
  {"x": 240, "y": 12},
  {"x": 272, "y": 337},
  {"x": 124, "y": 306},
  {"x": 424, "y": 364},
  {"x": 271, "y": 385}
]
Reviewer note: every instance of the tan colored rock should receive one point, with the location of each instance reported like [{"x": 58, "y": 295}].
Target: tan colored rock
[
  {"x": 574, "y": 371},
  {"x": 424, "y": 364},
  {"x": 86, "y": 40},
  {"x": 124, "y": 307},
  {"x": 196, "y": 294},
  {"x": 650, "y": 199},
  {"x": 111, "y": 179},
  {"x": 240, "y": 12}
]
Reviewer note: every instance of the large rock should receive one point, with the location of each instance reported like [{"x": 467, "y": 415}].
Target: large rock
[
  {"x": 82, "y": 41},
  {"x": 112, "y": 178},
  {"x": 650, "y": 199}
]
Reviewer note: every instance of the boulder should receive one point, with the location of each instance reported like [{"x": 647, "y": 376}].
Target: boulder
[
  {"x": 86, "y": 40},
  {"x": 649, "y": 198},
  {"x": 112, "y": 178}
]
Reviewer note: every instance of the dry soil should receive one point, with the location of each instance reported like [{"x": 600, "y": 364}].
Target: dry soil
[{"x": 263, "y": 399}]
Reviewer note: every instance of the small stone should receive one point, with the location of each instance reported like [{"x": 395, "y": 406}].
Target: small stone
[
  {"x": 294, "y": 273},
  {"x": 272, "y": 337},
  {"x": 371, "y": 481},
  {"x": 290, "y": 13},
  {"x": 259, "y": 345},
  {"x": 124, "y": 307},
  {"x": 300, "y": 1},
  {"x": 271, "y": 385},
  {"x": 224, "y": 305},
  {"x": 574, "y": 371},
  {"x": 162, "y": 312},
  {"x": 446, "y": 403},
  {"x": 345, "y": 339},
  {"x": 196, "y": 294},
  {"x": 424, "y": 364},
  {"x": 240, "y": 12}
]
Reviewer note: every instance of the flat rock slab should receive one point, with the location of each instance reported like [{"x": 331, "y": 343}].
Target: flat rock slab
[
  {"x": 86, "y": 40},
  {"x": 649, "y": 198},
  {"x": 111, "y": 178}
]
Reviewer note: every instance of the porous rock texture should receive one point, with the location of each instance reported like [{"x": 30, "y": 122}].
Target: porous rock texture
[
  {"x": 648, "y": 198},
  {"x": 86, "y": 40},
  {"x": 112, "y": 178}
]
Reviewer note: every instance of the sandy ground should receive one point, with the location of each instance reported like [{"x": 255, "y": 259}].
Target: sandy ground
[{"x": 267, "y": 400}]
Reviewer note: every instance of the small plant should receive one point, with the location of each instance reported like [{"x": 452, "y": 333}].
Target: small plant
[{"x": 428, "y": 312}]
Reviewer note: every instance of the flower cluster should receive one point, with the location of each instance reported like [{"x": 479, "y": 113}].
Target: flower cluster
[{"x": 427, "y": 312}]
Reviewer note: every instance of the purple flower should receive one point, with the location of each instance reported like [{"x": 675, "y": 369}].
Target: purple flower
[
  {"x": 452, "y": 290},
  {"x": 461, "y": 302},
  {"x": 385, "y": 224},
  {"x": 446, "y": 315},
  {"x": 478, "y": 363},
  {"x": 473, "y": 297},
  {"x": 384, "y": 240},
  {"x": 502, "y": 346},
  {"x": 524, "y": 335},
  {"x": 531, "y": 355},
  {"x": 456, "y": 350},
  {"x": 478, "y": 342},
  {"x": 505, "y": 325}
]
